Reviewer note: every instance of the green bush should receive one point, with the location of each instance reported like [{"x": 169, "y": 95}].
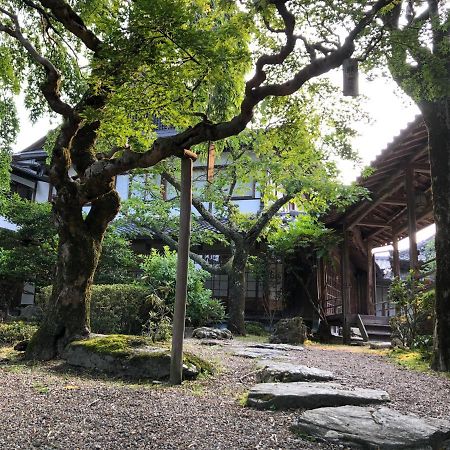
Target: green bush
[
  {"x": 13, "y": 332},
  {"x": 256, "y": 329},
  {"x": 115, "y": 308},
  {"x": 160, "y": 275}
]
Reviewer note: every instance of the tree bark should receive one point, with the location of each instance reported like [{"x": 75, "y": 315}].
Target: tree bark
[
  {"x": 237, "y": 285},
  {"x": 79, "y": 249},
  {"x": 437, "y": 117}
]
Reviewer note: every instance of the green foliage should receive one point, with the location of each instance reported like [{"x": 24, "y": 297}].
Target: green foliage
[
  {"x": 13, "y": 332},
  {"x": 160, "y": 276},
  {"x": 415, "y": 308},
  {"x": 304, "y": 232},
  {"x": 255, "y": 329},
  {"x": 30, "y": 253}
]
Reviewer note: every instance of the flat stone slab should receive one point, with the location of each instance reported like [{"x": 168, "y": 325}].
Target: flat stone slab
[
  {"x": 254, "y": 353},
  {"x": 287, "y": 372},
  {"x": 374, "y": 428},
  {"x": 278, "y": 347},
  {"x": 311, "y": 395}
]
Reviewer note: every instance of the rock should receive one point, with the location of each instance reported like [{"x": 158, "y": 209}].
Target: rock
[
  {"x": 286, "y": 372},
  {"x": 278, "y": 347},
  {"x": 211, "y": 333},
  {"x": 380, "y": 345},
  {"x": 32, "y": 312},
  {"x": 21, "y": 346},
  {"x": 254, "y": 353},
  {"x": 311, "y": 395},
  {"x": 374, "y": 428},
  {"x": 289, "y": 331},
  {"x": 129, "y": 356}
]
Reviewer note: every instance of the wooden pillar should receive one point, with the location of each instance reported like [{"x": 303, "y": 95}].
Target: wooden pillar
[
  {"x": 346, "y": 287},
  {"x": 370, "y": 297},
  {"x": 396, "y": 257},
  {"x": 411, "y": 206},
  {"x": 179, "y": 316}
]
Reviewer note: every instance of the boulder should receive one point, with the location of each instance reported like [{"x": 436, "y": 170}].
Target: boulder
[
  {"x": 32, "y": 312},
  {"x": 129, "y": 356},
  {"x": 374, "y": 428},
  {"x": 287, "y": 372},
  {"x": 211, "y": 333},
  {"x": 311, "y": 395},
  {"x": 289, "y": 331}
]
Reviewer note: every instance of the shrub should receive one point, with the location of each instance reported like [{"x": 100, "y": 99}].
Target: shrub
[
  {"x": 256, "y": 329},
  {"x": 115, "y": 308},
  {"x": 415, "y": 309},
  {"x": 13, "y": 332},
  {"x": 160, "y": 275}
]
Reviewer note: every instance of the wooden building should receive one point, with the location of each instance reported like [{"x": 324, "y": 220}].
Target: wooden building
[{"x": 400, "y": 204}]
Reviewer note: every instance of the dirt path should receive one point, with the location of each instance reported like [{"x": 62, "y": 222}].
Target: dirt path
[{"x": 52, "y": 407}]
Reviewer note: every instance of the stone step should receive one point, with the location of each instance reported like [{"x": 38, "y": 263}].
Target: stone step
[
  {"x": 374, "y": 428},
  {"x": 286, "y": 372},
  {"x": 311, "y": 395}
]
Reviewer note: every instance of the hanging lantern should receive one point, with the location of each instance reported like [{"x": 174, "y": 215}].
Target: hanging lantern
[{"x": 350, "y": 73}]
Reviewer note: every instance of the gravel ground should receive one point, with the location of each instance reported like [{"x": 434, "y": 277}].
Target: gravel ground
[{"x": 52, "y": 407}]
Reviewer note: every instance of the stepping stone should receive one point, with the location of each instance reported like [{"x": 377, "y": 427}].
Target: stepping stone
[
  {"x": 254, "y": 353},
  {"x": 287, "y": 372},
  {"x": 311, "y": 395},
  {"x": 278, "y": 347},
  {"x": 374, "y": 428}
]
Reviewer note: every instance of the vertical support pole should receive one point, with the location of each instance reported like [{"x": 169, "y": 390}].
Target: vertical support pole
[
  {"x": 412, "y": 227},
  {"x": 396, "y": 265},
  {"x": 396, "y": 257},
  {"x": 346, "y": 288},
  {"x": 370, "y": 305},
  {"x": 179, "y": 316}
]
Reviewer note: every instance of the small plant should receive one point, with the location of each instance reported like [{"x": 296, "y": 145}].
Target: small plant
[
  {"x": 414, "y": 309},
  {"x": 13, "y": 332}
]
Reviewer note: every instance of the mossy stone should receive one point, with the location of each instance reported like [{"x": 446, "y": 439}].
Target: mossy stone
[{"x": 130, "y": 357}]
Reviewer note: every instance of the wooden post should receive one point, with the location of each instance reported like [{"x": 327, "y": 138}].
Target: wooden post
[
  {"x": 370, "y": 281},
  {"x": 412, "y": 227},
  {"x": 346, "y": 287},
  {"x": 179, "y": 316},
  {"x": 396, "y": 257},
  {"x": 350, "y": 77}
]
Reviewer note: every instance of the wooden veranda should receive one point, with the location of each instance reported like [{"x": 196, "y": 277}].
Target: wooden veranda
[{"x": 400, "y": 204}]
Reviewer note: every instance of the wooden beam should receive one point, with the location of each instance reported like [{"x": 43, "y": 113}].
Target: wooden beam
[
  {"x": 346, "y": 287},
  {"x": 422, "y": 168},
  {"x": 370, "y": 298},
  {"x": 396, "y": 256},
  {"x": 401, "y": 201},
  {"x": 374, "y": 224},
  {"x": 412, "y": 225},
  {"x": 366, "y": 207}
]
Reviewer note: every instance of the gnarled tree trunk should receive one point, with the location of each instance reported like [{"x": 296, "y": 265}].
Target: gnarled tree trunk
[
  {"x": 79, "y": 250},
  {"x": 237, "y": 286},
  {"x": 437, "y": 118}
]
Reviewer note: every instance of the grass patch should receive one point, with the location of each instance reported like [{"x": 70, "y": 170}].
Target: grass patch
[
  {"x": 411, "y": 359},
  {"x": 40, "y": 388},
  {"x": 242, "y": 399}
]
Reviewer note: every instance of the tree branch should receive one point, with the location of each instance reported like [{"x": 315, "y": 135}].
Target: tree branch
[
  {"x": 226, "y": 230},
  {"x": 213, "y": 269},
  {"x": 64, "y": 13},
  {"x": 265, "y": 217}
]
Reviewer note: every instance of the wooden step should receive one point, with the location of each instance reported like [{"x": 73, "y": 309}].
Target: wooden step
[{"x": 374, "y": 328}]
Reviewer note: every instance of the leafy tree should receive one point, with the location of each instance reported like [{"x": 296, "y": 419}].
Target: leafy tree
[
  {"x": 30, "y": 252},
  {"x": 286, "y": 164},
  {"x": 107, "y": 67},
  {"x": 300, "y": 243},
  {"x": 415, "y": 46}
]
